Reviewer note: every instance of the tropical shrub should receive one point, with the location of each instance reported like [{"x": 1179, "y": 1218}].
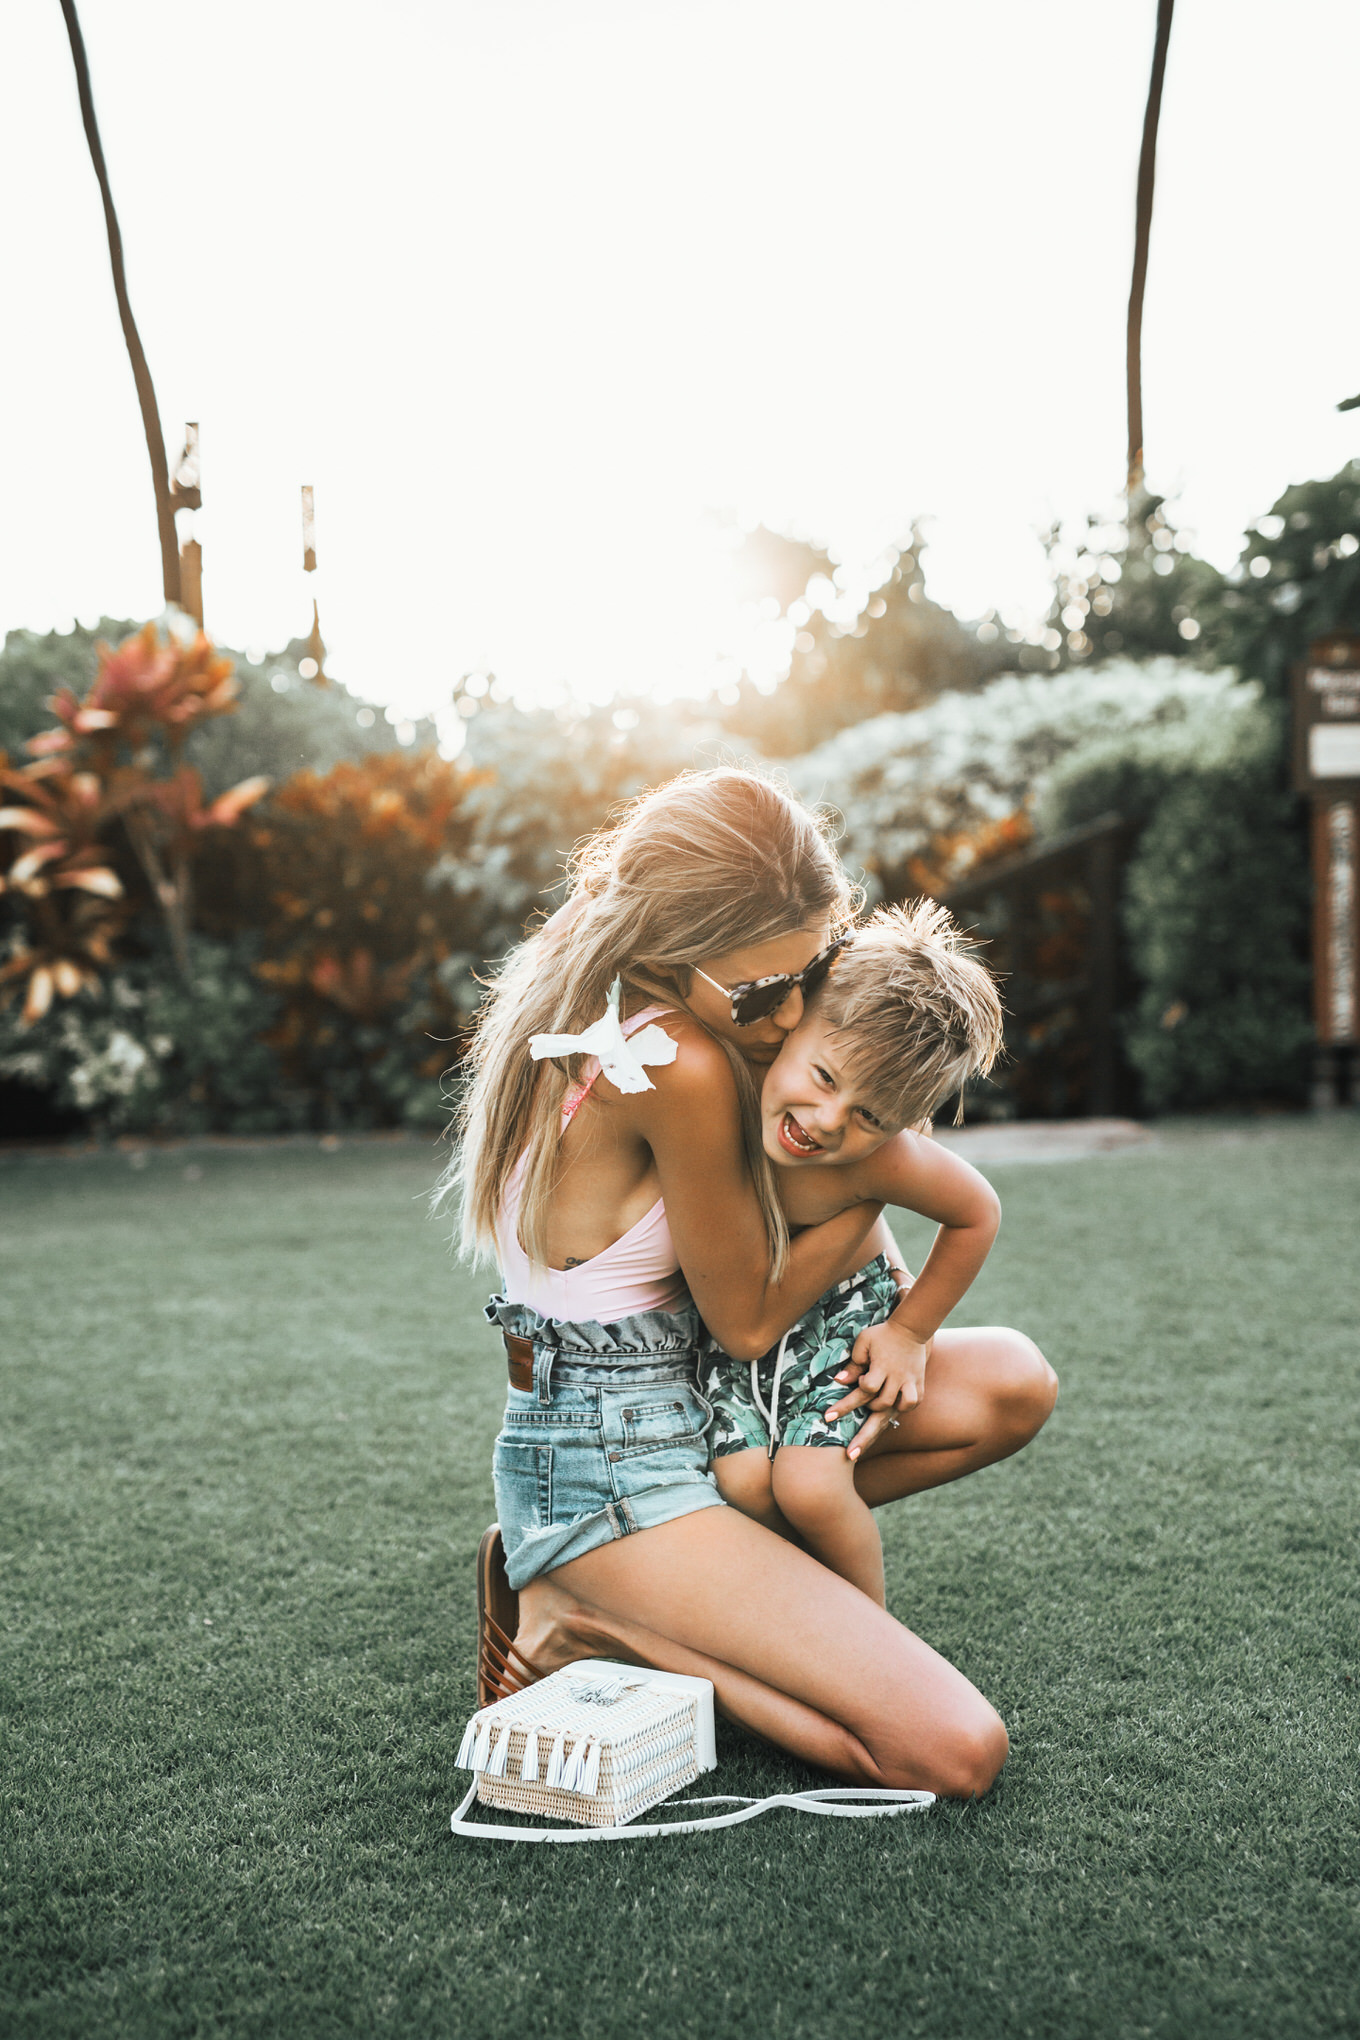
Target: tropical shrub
[
  {"x": 1216, "y": 898},
  {"x": 35, "y": 664},
  {"x": 280, "y": 724},
  {"x": 367, "y": 959},
  {"x": 284, "y": 724},
  {"x": 112, "y": 765},
  {"x": 142, "y": 1051},
  {"x": 64, "y": 899}
]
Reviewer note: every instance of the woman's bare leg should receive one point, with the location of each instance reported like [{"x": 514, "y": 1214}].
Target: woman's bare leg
[
  {"x": 823, "y": 1672},
  {"x": 557, "y": 1627},
  {"x": 986, "y": 1394}
]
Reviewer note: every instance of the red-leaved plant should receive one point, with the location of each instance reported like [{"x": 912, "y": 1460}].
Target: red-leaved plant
[{"x": 114, "y": 757}]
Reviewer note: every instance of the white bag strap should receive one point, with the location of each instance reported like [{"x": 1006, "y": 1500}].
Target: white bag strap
[{"x": 831, "y": 1799}]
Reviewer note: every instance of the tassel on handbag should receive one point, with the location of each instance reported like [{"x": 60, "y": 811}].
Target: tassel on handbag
[
  {"x": 615, "y": 1740},
  {"x": 467, "y": 1746}
]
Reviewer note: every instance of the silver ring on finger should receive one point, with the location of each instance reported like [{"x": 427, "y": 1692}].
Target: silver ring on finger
[{"x": 894, "y": 1423}]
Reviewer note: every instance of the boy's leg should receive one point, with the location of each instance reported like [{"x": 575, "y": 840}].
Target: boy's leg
[
  {"x": 744, "y": 1480},
  {"x": 814, "y": 1488},
  {"x": 987, "y": 1392},
  {"x": 738, "y": 1441}
]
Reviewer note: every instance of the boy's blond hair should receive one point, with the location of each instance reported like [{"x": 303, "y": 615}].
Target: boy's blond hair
[{"x": 920, "y": 1013}]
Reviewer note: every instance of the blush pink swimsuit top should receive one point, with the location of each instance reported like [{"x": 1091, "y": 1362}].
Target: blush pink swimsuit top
[{"x": 638, "y": 1272}]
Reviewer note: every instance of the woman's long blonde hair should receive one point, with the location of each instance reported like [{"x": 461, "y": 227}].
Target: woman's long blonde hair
[{"x": 711, "y": 862}]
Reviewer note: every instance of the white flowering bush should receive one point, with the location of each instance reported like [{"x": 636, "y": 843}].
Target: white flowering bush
[
  {"x": 144, "y": 1053},
  {"x": 901, "y": 780}
]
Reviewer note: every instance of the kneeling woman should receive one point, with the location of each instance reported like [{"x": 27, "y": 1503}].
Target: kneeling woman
[{"x": 615, "y": 1171}]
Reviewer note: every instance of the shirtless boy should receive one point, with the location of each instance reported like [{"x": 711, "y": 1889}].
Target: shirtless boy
[{"x": 905, "y": 1017}]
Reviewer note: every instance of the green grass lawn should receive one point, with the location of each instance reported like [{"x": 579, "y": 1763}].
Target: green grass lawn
[{"x": 245, "y": 1444}]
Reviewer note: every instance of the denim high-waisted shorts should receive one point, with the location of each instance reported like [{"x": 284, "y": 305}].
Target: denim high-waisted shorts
[{"x": 611, "y": 1439}]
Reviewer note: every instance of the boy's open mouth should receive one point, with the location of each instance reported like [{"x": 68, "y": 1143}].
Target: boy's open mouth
[{"x": 794, "y": 1139}]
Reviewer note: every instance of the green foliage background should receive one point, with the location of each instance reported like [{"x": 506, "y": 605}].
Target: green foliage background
[
  {"x": 900, "y": 722},
  {"x": 1216, "y": 899}
]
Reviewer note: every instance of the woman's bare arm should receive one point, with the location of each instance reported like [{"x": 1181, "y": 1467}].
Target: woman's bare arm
[{"x": 691, "y": 1121}]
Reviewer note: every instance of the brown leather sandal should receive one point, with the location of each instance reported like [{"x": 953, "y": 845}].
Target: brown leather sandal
[
  {"x": 503, "y": 1668},
  {"x": 497, "y": 1621}
]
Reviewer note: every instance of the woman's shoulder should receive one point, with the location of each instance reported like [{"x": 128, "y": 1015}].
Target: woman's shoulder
[{"x": 699, "y": 1073}]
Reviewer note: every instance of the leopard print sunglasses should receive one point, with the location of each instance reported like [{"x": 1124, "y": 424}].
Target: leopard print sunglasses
[{"x": 756, "y": 998}]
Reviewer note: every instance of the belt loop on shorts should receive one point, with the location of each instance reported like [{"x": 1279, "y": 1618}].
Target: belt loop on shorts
[{"x": 544, "y": 1357}]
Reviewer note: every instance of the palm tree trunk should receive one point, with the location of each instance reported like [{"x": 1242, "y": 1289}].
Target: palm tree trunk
[
  {"x": 1147, "y": 167},
  {"x": 141, "y": 374}
]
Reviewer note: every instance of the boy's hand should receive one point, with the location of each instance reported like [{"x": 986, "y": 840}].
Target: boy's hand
[{"x": 890, "y": 1363}]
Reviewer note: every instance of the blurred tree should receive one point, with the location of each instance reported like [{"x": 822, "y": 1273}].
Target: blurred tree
[
  {"x": 284, "y": 725},
  {"x": 1298, "y": 576},
  {"x": 770, "y": 563},
  {"x": 1129, "y": 589},
  {"x": 281, "y": 725},
  {"x": 35, "y": 664},
  {"x": 899, "y": 653},
  {"x": 543, "y": 782}
]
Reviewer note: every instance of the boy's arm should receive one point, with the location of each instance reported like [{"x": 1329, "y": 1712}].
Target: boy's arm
[
  {"x": 919, "y": 1174},
  {"x": 691, "y": 1121}
]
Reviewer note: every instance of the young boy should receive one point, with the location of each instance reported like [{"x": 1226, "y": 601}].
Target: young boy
[{"x": 905, "y": 1017}]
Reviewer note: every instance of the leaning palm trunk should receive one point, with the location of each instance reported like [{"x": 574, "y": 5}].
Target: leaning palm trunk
[
  {"x": 171, "y": 881},
  {"x": 1147, "y": 167},
  {"x": 141, "y": 374}
]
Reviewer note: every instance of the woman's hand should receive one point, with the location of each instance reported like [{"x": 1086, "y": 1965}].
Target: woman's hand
[{"x": 888, "y": 1364}]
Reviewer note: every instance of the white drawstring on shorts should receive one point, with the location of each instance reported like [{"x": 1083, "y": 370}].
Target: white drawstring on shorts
[{"x": 770, "y": 1416}]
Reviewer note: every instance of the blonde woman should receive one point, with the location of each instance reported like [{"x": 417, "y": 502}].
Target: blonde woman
[{"x": 612, "y": 1165}]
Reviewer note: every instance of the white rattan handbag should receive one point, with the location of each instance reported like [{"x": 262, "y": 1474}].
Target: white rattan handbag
[{"x": 598, "y": 1743}]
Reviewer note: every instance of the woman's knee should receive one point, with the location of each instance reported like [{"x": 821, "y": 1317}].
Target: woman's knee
[
  {"x": 1025, "y": 1387},
  {"x": 963, "y": 1758},
  {"x": 971, "y": 1756}
]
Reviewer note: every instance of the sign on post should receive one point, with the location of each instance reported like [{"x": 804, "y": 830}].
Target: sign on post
[{"x": 1327, "y": 769}]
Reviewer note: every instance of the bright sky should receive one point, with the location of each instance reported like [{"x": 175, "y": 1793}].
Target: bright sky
[{"x": 535, "y": 292}]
